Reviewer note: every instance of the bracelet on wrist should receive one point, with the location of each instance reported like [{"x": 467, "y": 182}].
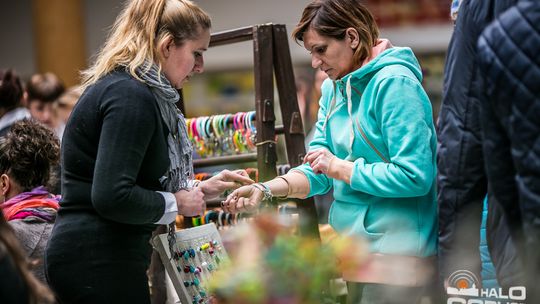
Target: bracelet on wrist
[
  {"x": 267, "y": 193},
  {"x": 288, "y": 187},
  {"x": 194, "y": 183}
]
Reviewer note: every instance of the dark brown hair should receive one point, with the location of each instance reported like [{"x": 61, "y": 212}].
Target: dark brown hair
[
  {"x": 27, "y": 154},
  {"x": 9, "y": 245},
  {"x": 11, "y": 90},
  {"x": 332, "y": 18},
  {"x": 44, "y": 87}
]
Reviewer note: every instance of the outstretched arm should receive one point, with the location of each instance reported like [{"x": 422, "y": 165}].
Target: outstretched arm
[{"x": 248, "y": 198}]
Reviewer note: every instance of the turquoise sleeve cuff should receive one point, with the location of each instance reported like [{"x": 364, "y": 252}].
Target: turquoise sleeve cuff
[{"x": 318, "y": 183}]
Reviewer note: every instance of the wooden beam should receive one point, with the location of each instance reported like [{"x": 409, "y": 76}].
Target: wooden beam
[{"x": 59, "y": 38}]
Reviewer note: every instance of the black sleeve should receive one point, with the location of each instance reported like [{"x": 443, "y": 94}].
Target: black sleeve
[
  {"x": 511, "y": 65},
  {"x": 129, "y": 122}
]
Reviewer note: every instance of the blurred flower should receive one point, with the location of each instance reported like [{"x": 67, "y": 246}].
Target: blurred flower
[{"x": 270, "y": 264}]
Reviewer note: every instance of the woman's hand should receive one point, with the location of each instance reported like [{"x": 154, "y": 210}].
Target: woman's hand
[
  {"x": 190, "y": 202},
  {"x": 319, "y": 160},
  {"x": 243, "y": 199},
  {"x": 225, "y": 180},
  {"x": 323, "y": 161}
]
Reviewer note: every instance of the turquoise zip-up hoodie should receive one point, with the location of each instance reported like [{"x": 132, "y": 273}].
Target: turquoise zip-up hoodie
[{"x": 380, "y": 118}]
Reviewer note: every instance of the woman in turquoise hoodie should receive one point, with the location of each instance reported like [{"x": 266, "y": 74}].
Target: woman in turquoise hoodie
[{"x": 375, "y": 143}]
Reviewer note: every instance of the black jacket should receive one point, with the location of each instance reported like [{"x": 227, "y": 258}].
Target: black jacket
[
  {"x": 114, "y": 152},
  {"x": 509, "y": 60},
  {"x": 462, "y": 182}
]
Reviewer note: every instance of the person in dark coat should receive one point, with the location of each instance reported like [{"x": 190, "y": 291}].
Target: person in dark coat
[
  {"x": 462, "y": 182},
  {"x": 509, "y": 62}
]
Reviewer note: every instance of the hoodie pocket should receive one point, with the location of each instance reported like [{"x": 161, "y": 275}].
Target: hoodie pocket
[{"x": 350, "y": 219}]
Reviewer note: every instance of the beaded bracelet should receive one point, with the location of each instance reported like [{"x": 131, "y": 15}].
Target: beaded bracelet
[{"x": 267, "y": 193}]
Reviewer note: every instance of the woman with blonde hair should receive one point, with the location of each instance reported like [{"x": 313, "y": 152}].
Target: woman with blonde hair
[
  {"x": 126, "y": 157},
  {"x": 375, "y": 144}
]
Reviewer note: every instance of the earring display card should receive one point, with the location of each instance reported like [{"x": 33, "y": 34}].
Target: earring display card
[{"x": 197, "y": 253}]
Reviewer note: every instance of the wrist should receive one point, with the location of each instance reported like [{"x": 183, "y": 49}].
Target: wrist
[
  {"x": 178, "y": 196},
  {"x": 340, "y": 169},
  {"x": 201, "y": 185},
  {"x": 333, "y": 167}
]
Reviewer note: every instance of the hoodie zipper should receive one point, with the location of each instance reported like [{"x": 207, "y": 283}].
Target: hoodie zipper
[
  {"x": 361, "y": 130},
  {"x": 369, "y": 142},
  {"x": 358, "y": 125}
]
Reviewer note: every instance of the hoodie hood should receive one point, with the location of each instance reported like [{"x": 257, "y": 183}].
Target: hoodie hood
[
  {"x": 392, "y": 56},
  {"x": 358, "y": 79}
]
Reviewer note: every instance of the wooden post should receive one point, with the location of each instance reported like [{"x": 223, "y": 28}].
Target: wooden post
[
  {"x": 59, "y": 38},
  {"x": 264, "y": 101},
  {"x": 292, "y": 123}
]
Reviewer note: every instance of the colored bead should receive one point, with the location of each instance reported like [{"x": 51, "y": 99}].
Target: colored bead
[
  {"x": 205, "y": 246},
  {"x": 186, "y": 283},
  {"x": 196, "y": 282},
  {"x": 186, "y": 255},
  {"x": 202, "y": 293},
  {"x": 218, "y": 260},
  {"x": 178, "y": 268},
  {"x": 186, "y": 269},
  {"x": 211, "y": 251},
  {"x": 191, "y": 269},
  {"x": 192, "y": 252}
]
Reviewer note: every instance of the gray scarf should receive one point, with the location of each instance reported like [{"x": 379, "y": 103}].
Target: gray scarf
[{"x": 180, "y": 150}]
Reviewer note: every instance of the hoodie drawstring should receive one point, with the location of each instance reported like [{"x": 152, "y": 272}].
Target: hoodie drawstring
[
  {"x": 331, "y": 110},
  {"x": 349, "y": 110}
]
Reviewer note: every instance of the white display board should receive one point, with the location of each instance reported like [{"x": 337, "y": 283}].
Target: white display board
[{"x": 197, "y": 254}]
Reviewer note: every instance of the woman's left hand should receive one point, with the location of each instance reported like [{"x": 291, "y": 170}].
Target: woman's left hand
[
  {"x": 319, "y": 160},
  {"x": 225, "y": 180}
]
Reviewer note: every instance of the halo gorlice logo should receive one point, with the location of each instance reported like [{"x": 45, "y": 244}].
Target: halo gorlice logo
[
  {"x": 463, "y": 283},
  {"x": 463, "y": 289}
]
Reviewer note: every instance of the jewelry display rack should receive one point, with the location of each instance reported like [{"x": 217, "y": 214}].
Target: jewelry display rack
[{"x": 271, "y": 58}]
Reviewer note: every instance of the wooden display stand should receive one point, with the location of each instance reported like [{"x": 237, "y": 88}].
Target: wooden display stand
[
  {"x": 271, "y": 58},
  {"x": 207, "y": 260}
]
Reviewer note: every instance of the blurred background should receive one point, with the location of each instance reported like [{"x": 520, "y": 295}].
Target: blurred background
[{"x": 62, "y": 36}]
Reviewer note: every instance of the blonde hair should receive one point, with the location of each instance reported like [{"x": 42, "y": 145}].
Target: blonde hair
[
  {"x": 332, "y": 18},
  {"x": 138, "y": 31}
]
